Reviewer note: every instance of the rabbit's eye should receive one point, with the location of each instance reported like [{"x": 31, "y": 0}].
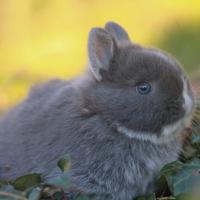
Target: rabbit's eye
[{"x": 143, "y": 88}]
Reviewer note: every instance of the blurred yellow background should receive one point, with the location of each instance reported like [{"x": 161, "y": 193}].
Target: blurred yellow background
[{"x": 41, "y": 39}]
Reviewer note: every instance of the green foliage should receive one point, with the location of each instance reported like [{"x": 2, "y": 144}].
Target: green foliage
[
  {"x": 64, "y": 163},
  {"x": 187, "y": 178},
  {"x": 31, "y": 187},
  {"x": 34, "y": 194},
  {"x": 183, "y": 42},
  {"x": 25, "y": 182},
  {"x": 182, "y": 177},
  {"x": 81, "y": 198},
  {"x": 61, "y": 181}
]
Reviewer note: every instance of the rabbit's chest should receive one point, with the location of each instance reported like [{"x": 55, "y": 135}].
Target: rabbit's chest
[
  {"x": 131, "y": 179},
  {"x": 140, "y": 171},
  {"x": 141, "y": 175}
]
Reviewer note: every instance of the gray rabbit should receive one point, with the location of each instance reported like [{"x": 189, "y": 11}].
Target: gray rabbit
[{"x": 120, "y": 122}]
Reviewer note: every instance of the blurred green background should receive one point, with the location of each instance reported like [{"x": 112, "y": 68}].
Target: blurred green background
[{"x": 41, "y": 39}]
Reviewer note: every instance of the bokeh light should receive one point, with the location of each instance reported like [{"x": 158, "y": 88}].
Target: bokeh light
[{"x": 41, "y": 39}]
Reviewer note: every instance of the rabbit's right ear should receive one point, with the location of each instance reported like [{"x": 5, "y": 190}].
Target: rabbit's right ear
[
  {"x": 118, "y": 32},
  {"x": 101, "y": 49}
]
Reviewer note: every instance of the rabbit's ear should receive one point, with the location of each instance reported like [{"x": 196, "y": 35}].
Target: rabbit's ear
[
  {"x": 117, "y": 32},
  {"x": 101, "y": 49}
]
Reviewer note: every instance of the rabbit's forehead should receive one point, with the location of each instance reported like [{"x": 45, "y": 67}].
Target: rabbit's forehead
[
  {"x": 149, "y": 65},
  {"x": 160, "y": 55}
]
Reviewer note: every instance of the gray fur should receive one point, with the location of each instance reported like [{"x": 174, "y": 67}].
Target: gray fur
[
  {"x": 101, "y": 49},
  {"x": 117, "y": 32},
  {"x": 79, "y": 117}
]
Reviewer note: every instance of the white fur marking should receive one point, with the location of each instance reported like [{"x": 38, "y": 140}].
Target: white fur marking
[
  {"x": 188, "y": 101},
  {"x": 168, "y": 133}
]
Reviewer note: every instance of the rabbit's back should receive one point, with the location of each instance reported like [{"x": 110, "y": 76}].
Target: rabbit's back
[{"x": 27, "y": 132}]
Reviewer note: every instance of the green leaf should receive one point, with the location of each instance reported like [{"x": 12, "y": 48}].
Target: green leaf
[
  {"x": 151, "y": 197},
  {"x": 141, "y": 198},
  {"x": 195, "y": 138},
  {"x": 162, "y": 187},
  {"x": 58, "y": 196},
  {"x": 187, "y": 179},
  {"x": 168, "y": 171},
  {"x": 27, "y": 181},
  {"x": 184, "y": 196},
  {"x": 61, "y": 181},
  {"x": 80, "y": 197},
  {"x": 64, "y": 163},
  {"x": 34, "y": 194},
  {"x": 171, "y": 168}
]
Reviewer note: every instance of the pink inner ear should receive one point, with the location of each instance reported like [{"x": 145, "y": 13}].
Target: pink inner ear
[
  {"x": 104, "y": 53},
  {"x": 99, "y": 53}
]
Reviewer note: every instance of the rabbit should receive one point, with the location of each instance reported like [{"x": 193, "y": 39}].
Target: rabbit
[{"x": 120, "y": 121}]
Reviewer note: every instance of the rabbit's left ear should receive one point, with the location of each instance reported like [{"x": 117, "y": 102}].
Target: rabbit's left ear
[
  {"x": 117, "y": 32},
  {"x": 101, "y": 50}
]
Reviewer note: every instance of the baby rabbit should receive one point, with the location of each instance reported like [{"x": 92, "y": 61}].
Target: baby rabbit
[{"x": 120, "y": 122}]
